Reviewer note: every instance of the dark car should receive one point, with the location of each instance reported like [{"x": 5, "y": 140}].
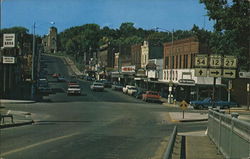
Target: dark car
[
  {"x": 117, "y": 87},
  {"x": 107, "y": 84},
  {"x": 208, "y": 102},
  {"x": 139, "y": 93}
]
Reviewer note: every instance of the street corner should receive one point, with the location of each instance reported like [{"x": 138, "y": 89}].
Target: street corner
[
  {"x": 8, "y": 101},
  {"x": 15, "y": 118},
  {"x": 169, "y": 105},
  {"x": 16, "y": 124},
  {"x": 188, "y": 117}
]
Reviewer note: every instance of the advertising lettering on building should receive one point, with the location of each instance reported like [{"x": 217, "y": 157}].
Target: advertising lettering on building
[{"x": 129, "y": 69}]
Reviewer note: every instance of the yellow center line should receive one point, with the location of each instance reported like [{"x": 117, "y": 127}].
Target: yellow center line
[{"x": 38, "y": 144}]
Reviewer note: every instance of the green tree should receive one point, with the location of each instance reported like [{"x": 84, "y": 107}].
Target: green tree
[{"x": 231, "y": 28}]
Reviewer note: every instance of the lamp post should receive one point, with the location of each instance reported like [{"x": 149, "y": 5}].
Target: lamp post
[
  {"x": 33, "y": 60},
  {"x": 170, "y": 96}
]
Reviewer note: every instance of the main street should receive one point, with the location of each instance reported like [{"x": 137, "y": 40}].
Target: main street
[{"x": 95, "y": 125}]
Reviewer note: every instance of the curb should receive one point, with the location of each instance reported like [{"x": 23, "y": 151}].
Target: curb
[
  {"x": 169, "y": 105},
  {"x": 16, "y": 124},
  {"x": 17, "y": 102},
  {"x": 193, "y": 120}
]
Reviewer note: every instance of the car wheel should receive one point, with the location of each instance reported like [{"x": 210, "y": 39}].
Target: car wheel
[{"x": 200, "y": 106}]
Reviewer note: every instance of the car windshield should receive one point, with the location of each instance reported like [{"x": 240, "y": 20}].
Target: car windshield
[{"x": 74, "y": 86}]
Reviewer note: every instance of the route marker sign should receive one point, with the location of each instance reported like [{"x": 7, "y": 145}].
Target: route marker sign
[
  {"x": 200, "y": 72},
  {"x": 214, "y": 72},
  {"x": 215, "y": 61},
  {"x": 229, "y": 62},
  {"x": 229, "y": 73},
  {"x": 201, "y": 61}
]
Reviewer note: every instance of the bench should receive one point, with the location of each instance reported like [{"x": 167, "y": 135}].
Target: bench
[{"x": 2, "y": 116}]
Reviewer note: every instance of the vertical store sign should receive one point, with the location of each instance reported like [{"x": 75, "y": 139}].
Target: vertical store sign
[{"x": 8, "y": 40}]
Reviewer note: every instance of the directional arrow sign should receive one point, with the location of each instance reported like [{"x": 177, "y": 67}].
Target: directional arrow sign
[
  {"x": 229, "y": 73},
  {"x": 215, "y": 72},
  {"x": 200, "y": 72}
]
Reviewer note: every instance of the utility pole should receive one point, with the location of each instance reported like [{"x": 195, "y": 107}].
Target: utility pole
[{"x": 33, "y": 61}]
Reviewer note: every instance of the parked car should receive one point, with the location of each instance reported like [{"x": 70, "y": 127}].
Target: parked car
[
  {"x": 95, "y": 86},
  {"x": 88, "y": 78},
  {"x": 72, "y": 82},
  {"x": 151, "y": 96},
  {"x": 208, "y": 102},
  {"x": 107, "y": 84},
  {"x": 139, "y": 93},
  {"x": 74, "y": 90},
  {"x": 125, "y": 89},
  {"x": 61, "y": 79},
  {"x": 56, "y": 75},
  {"x": 44, "y": 90},
  {"x": 117, "y": 87},
  {"x": 131, "y": 90}
]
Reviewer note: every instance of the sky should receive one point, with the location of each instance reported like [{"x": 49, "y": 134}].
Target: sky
[{"x": 146, "y": 14}]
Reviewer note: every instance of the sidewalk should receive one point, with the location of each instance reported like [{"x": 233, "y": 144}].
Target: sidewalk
[
  {"x": 19, "y": 118},
  {"x": 188, "y": 117},
  {"x": 197, "y": 145}
]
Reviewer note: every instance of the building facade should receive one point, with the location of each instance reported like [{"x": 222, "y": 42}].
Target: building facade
[
  {"x": 178, "y": 70},
  {"x": 50, "y": 41}
]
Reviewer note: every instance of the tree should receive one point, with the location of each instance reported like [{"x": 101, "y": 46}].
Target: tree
[{"x": 231, "y": 28}]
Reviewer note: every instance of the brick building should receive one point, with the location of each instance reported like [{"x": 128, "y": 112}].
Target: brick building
[{"x": 179, "y": 70}]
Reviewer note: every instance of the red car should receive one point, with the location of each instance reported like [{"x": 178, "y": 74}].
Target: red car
[
  {"x": 56, "y": 75},
  {"x": 151, "y": 96}
]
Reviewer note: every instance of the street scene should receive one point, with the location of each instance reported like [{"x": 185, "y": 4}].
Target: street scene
[{"x": 125, "y": 89}]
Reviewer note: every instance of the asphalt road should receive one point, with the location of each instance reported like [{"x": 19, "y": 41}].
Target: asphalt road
[{"x": 95, "y": 125}]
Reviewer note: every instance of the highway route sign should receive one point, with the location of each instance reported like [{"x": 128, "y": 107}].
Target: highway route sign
[
  {"x": 215, "y": 61},
  {"x": 214, "y": 72},
  {"x": 183, "y": 105},
  {"x": 230, "y": 62},
  {"x": 201, "y": 61},
  {"x": 229, "y": 73},
  {"x": 200, "y": 72}
]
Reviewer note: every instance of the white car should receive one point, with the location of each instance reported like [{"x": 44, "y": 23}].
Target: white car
[
  {"x": 131, "y": 90},
  {"x": 125, "y": 89},
  {"x": 74, "y": 90},
  {"x": 97, "y": 86}
]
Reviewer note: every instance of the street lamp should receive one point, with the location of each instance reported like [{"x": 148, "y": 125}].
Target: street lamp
[
  {"x": 170, "y": 100},
  {"x": 33, "y": 59}
]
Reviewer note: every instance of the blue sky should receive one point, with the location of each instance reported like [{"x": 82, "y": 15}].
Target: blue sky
[{"x": 146, "y": 14}]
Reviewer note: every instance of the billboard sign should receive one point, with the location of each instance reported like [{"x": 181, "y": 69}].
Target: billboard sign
[
  {"x": 8, "y": 60},
  {"x": 129, "y": 69}
]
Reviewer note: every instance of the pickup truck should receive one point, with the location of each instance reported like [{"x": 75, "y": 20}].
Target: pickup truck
[
  {"x": 74, "y": 90},
  {"x": 151, "y": 96},
  {"x": 207, "y": 102}
]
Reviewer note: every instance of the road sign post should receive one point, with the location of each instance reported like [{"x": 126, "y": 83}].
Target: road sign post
[
  {"x": 248, "y": 96},
  {"x": 183, "y": 106}
]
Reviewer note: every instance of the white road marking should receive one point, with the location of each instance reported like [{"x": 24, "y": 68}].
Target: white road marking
[{"x": 38, "y": 144}]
